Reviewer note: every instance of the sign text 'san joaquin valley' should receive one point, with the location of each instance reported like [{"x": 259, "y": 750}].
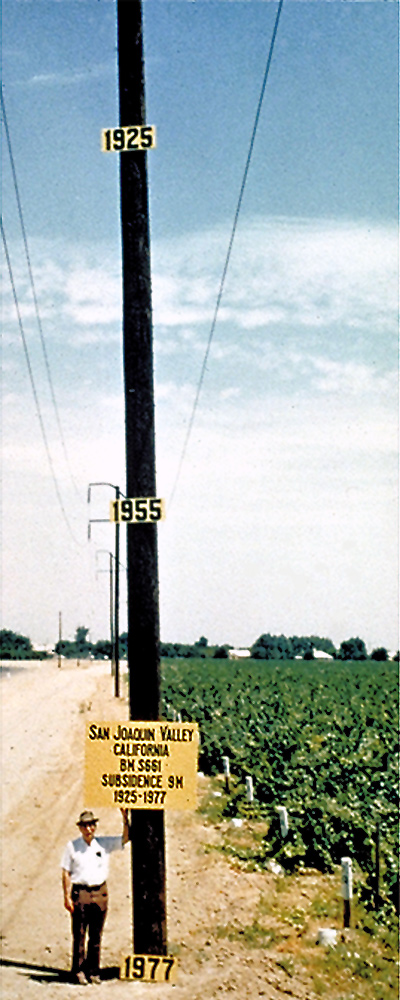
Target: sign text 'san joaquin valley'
[{"x": 141, "y": 765}]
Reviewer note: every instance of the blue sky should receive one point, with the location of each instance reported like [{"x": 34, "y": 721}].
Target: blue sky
[{"x": 284, "y": 518}]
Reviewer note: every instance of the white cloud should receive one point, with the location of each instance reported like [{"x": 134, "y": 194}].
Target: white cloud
[
  {"x": 285, "y": 512},
  {"x": 282, "y": 271},
  {"x": 288, "y": 280},
  {"x": 71, "y": 76},
  {"x": 351, "y": 377},
  {"x": 93, "y": 297}
]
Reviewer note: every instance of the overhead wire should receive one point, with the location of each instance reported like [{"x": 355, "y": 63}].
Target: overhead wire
[
  {"x": 228, "y": 255},
  {"x": 35, "y": 300},
  {"x": 33, "y": 385}
]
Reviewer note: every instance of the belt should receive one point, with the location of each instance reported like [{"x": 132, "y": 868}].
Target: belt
[{"x": 88, "y": 888}]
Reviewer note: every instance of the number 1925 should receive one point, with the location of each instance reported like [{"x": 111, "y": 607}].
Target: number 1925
[{"x": 128, "y": 138}]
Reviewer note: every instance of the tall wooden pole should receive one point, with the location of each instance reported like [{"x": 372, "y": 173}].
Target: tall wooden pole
[
  {"x": 116, "y": 605},
  {"x": 148, "y": 847}
]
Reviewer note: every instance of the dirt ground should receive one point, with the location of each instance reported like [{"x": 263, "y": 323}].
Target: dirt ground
[{"x": 44, "y": 709}]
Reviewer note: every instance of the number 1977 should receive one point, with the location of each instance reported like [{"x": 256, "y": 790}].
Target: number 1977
[{"x": 150, "y": 968}]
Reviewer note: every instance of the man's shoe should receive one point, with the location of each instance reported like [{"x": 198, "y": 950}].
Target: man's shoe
[
  {"x": 81, "y": 979},
  {"x": 95, "y": 980}
]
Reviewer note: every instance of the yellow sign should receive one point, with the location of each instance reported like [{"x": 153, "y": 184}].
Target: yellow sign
[
  {"x": 141, "y": 765},
  {"x": 129, "y": 138},
  {"x": 139, "y": 510},
  {"x": 149, "y": 968}
]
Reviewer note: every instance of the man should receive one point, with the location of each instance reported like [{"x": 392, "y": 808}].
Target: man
[{"x": 84, "y": 872}]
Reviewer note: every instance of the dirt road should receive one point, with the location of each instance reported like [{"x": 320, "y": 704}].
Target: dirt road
[{"x": 44, "y": 709}]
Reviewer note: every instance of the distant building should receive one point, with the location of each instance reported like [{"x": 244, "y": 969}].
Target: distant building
[
  {"x": 238, "y": 654},
  {"x": 319, "y": 654}
]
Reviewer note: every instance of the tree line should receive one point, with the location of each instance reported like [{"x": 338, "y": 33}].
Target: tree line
[
  {"x": 14, "y": 646},
  {"x": 279, "y": 647}
]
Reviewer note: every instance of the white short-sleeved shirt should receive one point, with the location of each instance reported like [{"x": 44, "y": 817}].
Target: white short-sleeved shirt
[{"x": 88, "y": 864}]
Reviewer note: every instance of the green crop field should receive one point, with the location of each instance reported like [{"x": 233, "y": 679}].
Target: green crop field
[{"x": 320, "y": 739}]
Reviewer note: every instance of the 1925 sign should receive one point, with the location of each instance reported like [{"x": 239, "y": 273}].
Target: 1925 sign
[{"x": 127, "y": 139}]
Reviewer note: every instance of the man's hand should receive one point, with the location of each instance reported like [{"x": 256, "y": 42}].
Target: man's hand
[{"x": 67, "y": 887}]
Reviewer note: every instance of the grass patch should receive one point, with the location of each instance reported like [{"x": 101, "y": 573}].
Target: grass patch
[
  {"x": 251, "y": 935},
  {"x": 291, "y": 908}
]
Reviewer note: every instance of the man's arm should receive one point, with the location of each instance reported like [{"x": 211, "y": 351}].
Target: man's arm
[
  {"x": 125, "y": 831},
  {"x": 67, "y": 885}
]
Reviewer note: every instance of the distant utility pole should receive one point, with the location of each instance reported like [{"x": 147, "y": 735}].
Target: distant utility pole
[
  {"x": 148, "y": 854},
  {"x": 59, "y": 637},
  {"x": 111, "y": 578},
  {"x": 97, "y": 520}
]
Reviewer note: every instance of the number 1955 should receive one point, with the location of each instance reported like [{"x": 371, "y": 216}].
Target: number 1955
[{"x": 139, "y": 510}]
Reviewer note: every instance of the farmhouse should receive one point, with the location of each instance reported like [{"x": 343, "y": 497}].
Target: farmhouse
[
  {"x": 238, "y": 654},
  {"x": 319, "y": 654}
]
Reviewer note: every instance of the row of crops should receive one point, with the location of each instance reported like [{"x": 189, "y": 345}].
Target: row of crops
[{"x": 321, "y": 740}]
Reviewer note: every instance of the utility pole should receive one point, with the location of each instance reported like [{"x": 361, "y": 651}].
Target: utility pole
[
  {"x": 98, "y": 520},
  {"x": 59, "y": 637},
  {"x": 111, "y": 578},
  {"x": 148, "y": 854}
]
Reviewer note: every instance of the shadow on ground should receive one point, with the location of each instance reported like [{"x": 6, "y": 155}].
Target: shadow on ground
[{"x": 49, "y": 974}]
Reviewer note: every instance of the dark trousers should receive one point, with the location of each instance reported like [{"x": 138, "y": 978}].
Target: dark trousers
[{"x": 90, "y": 908}]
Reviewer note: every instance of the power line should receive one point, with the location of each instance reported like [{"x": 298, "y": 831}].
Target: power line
[
  {"x": 228, "y": 255},
  {"x": 39, "y": 322},
  {"x": 32, "y": 381}
]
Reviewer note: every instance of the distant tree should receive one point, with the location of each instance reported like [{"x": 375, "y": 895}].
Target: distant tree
[
  {"x": 396, "y": 657},
  {"x": 14, "y": 646},
  {"x": 272, "y": 647},
  {"x": 300, "y": 645},
  {"x": 353, "y": 649},
  {"x": 202, "y": 641},
  {"x": 259, "y": 652},
  {"x": 102, "y": 649},
  {"x": 167, "y": 649},
  {"x": 77, "y": 649},
  {"x": 82, "y": 645},
  {"x": 379, "y": 654},
  {"x": 66, "y": 648},
  {"x": 309, "y": 654},
  {"x": 221, "y": 653},
  {"x": 264, "y": 647},
  {"x": 284, "y": 648}
]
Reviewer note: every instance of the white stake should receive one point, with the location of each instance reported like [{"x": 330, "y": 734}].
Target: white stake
[
  {"x": 225, "y": 764},
  {"x": 347, "y": 889},
  {"x": 249, "y": 789},
  {"x": 283, "y": 818}
]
